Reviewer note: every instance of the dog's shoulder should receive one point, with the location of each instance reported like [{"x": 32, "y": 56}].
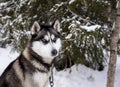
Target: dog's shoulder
[{"x": 9, "y": 75}]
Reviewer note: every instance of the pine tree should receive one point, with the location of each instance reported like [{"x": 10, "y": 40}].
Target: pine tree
[
  {"x": 80, "y": 45},
  {"x": 114, "y": 48}
]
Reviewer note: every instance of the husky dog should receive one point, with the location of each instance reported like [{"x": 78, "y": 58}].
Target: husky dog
[{"x": 33, "y": 67}]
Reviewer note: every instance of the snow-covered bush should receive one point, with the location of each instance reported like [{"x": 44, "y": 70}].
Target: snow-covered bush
[
  {"x": 86, "y": 27},
  {"x": 86, "y": 44}
]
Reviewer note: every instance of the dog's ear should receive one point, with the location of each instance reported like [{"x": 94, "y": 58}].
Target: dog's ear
[
  {"x": 56, "y": 26},
  {"x": 35, "y": 28}
]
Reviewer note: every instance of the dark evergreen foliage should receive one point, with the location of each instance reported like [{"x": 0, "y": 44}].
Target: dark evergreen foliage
[{"x": 80, "y": 46}]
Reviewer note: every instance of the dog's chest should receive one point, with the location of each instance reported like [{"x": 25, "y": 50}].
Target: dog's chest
[{"x": 38, "y": 80}]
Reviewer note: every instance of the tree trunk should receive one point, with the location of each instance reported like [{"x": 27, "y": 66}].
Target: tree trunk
[{"x": 113, "y": 48}]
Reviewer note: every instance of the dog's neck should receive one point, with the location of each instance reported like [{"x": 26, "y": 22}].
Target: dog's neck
[{"x": 37, "y": 60}]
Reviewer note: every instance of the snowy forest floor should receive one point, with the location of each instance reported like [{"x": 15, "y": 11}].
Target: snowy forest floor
[{"x": 80, "y": 76}]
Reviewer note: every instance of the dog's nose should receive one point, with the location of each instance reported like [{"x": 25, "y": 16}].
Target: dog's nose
[{"x": 54, "y": 52}]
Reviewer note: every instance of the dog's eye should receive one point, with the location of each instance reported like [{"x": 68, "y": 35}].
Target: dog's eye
[
  {"x": 54, "y": 40},
  {"x": 44, "y": 41}
]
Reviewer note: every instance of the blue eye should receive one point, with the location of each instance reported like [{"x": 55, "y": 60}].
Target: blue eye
[
  {"x": 54, "y": 40},
  {"x": 44, "y": 41}
]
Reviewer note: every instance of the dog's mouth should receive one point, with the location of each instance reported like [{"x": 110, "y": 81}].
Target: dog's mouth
[{"x": 56, "y": 59}]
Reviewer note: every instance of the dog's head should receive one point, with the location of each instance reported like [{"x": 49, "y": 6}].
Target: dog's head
[{"x": 45, "y": 39}]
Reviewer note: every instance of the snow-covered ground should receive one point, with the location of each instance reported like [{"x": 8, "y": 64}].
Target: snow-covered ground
[{"x": 80, "y": 76}]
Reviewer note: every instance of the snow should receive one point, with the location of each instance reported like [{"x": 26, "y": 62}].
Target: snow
[
  {"x": 6, "y": 56},
  {"x": 117, "y": 78},
  {"x": 6, "y": 17},
  {"x": 83, "y": 77},
  {"x": 71, "y": 1},
  {"x": 91, "y": 28},
  {"x": 3, "y": 4},
  {"x": 80, "y": 76},
  {"x": 68, "y": 36},
  {"x": 3, "y": 39}
]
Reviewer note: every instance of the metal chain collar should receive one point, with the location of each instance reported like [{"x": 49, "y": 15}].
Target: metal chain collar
[{"x": 51, "y": 78}]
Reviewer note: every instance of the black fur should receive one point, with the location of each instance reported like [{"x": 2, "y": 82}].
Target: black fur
[
  {"x": 9, "y": 76},
  {"x": 39, "y": 59},
  {"x": 23, "y": 65},
  {"x": 43, "y": 31}
]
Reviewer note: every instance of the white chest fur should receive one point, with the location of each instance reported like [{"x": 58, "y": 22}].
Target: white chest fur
[
  {"x": 41, "y": 79},
  {"x": 37, "y": 80}
]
